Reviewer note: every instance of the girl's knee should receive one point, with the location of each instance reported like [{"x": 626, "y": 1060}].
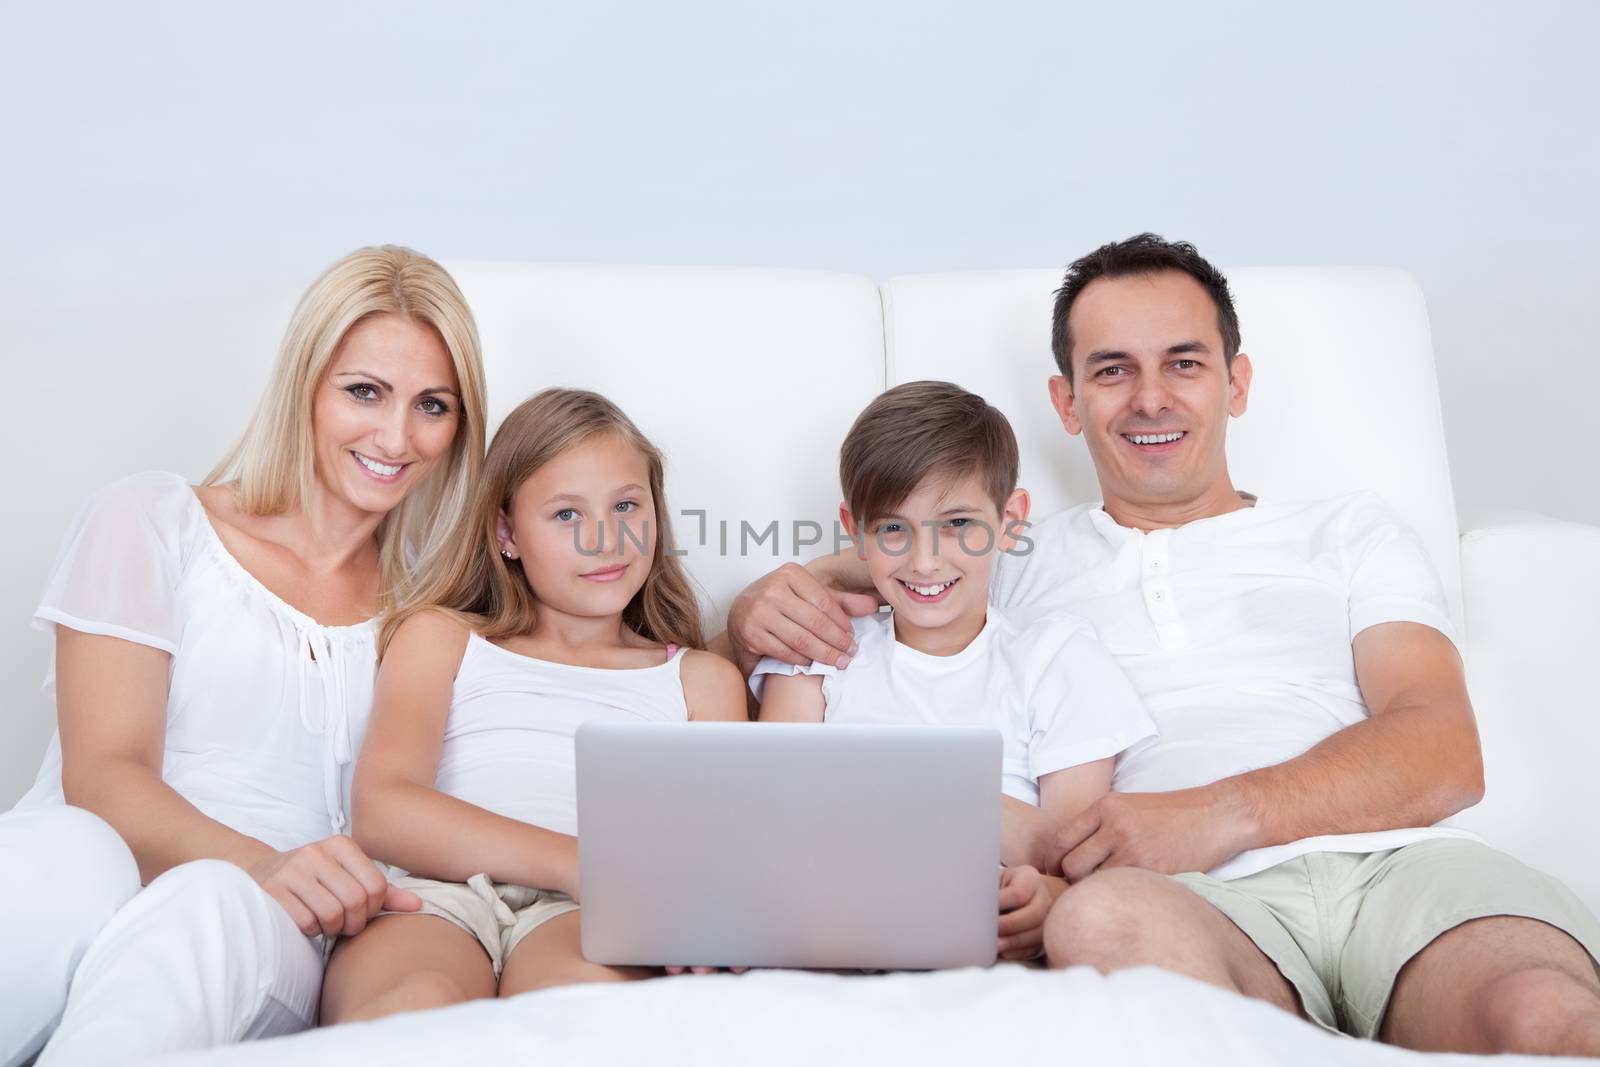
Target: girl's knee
[
  {"x": 553, "y": 974},
  {"x": 417, "y": 991}
]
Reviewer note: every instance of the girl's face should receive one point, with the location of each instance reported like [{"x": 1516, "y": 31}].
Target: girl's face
[
  {"x": 584, "y": 527},
  {"x": 384, "y": 413}
]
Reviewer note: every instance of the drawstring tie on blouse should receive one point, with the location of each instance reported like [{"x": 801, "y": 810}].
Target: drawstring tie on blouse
[{"x": 322, "y": 683}]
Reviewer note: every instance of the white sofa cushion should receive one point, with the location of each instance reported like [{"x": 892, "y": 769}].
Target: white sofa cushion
[
  {"x": 746, "y": 379},
  {"x": 1531, "y": 588}
]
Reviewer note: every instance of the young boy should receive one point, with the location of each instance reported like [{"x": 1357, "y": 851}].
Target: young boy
[{"x": 929, "y": 473}]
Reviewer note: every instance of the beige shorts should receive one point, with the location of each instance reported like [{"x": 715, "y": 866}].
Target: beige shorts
[
  {"x": 499, "y": 916},
  {"x": 1339, "y": 926}
]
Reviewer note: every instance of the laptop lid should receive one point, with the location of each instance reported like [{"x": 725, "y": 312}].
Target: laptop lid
[{"x": 788, "y": 845}]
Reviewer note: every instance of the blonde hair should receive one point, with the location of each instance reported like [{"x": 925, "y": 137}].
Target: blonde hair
[
  {"x": 272, "y": 468},
  {"x": 488, "y": 593}
]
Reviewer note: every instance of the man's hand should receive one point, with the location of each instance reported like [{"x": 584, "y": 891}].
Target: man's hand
[
  {"x": 329, "y": 887},
  {"x": 792, "y": 616},
  {"x": 1025, "y": 899},
  {"x": 1184, "y": 830}
]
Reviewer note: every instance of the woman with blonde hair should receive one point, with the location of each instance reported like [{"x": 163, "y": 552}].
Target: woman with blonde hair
[{"x": 215, "y": 651}]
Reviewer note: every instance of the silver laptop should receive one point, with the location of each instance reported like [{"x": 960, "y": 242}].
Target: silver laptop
[{"x": 788, "y": 845}]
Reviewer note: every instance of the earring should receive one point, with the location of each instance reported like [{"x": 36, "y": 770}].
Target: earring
[{"x": 506, "y": 552}]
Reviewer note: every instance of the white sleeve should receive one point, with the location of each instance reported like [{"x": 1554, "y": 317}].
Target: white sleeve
[
  {"x": 1003, "y": 579},
  {"x": 768, "y": 665},
  {"x": 1391, "y": 577},
  {"x": 118, "y": 569},
  {"x": 1082, "y": 707}
]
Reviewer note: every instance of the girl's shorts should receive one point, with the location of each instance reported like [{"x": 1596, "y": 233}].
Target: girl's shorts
[{"x": 499, "y": 916}]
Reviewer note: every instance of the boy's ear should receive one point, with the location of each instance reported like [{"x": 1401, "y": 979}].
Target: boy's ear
[
  {"x": 1015, "y": 518},
  {"x": 502, "y": 534},
  {"x": 849, "y": 523}
]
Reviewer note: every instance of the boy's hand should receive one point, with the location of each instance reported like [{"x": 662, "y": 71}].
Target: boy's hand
[
  {"x": 1025, "y": 900},
  {"x": 1028, "y": 836}
]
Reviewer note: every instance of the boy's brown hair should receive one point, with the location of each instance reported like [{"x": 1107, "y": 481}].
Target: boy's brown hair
[{"x": 923, "y": 429}]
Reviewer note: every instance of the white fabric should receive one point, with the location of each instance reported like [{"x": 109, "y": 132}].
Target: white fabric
[
  {"x": 1236, "y": 632},
  {"x": 1532, "y": 587},
  {"x": 1344, "y": 397},
  {"x": 966, "y": 1018},
  {"x": 1051, "y": 690},
  {"x": 265, "y": 706},
  {"x": 508, "y": 742},
  {"x": 201, "y": 957},
  {"x": 65, "y": 874}
]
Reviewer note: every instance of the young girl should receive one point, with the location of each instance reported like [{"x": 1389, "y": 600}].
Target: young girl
[{"x": 561, "y": 606}]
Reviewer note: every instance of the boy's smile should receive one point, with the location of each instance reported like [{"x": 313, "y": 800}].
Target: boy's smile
[
  {"x": 931, "y": 559},
  {"x": 930, "y": 594}
]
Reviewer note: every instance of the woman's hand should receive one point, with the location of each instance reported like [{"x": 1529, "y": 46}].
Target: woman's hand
[{"x": 329, "y": 887}]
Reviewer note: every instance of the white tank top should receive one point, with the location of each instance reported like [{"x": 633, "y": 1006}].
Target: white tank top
[{"x": 508, "y": 743}]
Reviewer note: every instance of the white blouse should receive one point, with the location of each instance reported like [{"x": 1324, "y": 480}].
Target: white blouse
[{"x": 266, "y": 707}]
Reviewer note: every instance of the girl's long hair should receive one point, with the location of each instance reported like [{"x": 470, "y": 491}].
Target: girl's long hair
[
  {"x": 272, "y": 467},
  {"x": 488, "y": 592}
]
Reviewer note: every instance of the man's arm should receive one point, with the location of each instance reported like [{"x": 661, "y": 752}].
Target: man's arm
[
  {"x": 1413, "y": 761},
  {"x": 799, "y": 615}
]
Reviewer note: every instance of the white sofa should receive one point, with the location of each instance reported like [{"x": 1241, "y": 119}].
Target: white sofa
[{"x": 748, "y": 380}]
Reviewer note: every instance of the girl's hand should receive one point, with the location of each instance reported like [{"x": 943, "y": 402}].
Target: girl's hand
[
  {"x": 705, "y": 970},
  {"x": 329, "y": 887},
  {"x": 1025, "y": 900}
]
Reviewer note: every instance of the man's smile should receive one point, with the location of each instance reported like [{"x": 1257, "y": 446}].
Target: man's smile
[{"x": 1155, "y": 442}]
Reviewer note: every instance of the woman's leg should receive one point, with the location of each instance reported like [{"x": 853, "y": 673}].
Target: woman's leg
[
  {"x": 66, "y": 874},
  {"x": 552, "y": 955},
  {"x": 202, "y": 957},
  {"x": 404, "y": 963}
]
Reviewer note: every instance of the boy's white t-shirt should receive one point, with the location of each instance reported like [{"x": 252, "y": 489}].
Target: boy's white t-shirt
[
  {"x": 1057, "y": 698},
  {"x": 1236, "y": 632}
]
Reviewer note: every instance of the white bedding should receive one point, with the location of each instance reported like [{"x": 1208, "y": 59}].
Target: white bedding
[{"x": 1004, "y": 1016}]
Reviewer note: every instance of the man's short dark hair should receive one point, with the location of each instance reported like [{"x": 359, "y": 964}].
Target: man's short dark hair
[{"x": 1145, "y": 254}]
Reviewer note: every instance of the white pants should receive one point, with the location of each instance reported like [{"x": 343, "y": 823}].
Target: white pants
[
  {"x": 63, "y": 874},
  {"x": 201, "y": 957}
]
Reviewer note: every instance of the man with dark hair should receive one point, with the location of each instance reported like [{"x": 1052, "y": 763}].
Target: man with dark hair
[
  {"x": 1283, "y": 836},
  {"x": 1145, "y": 254}
]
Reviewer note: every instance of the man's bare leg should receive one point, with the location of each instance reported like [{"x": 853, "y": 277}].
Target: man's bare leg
[
  {"x": 1500, "y": 984},
  {"x": 1127, "y": 917}
]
